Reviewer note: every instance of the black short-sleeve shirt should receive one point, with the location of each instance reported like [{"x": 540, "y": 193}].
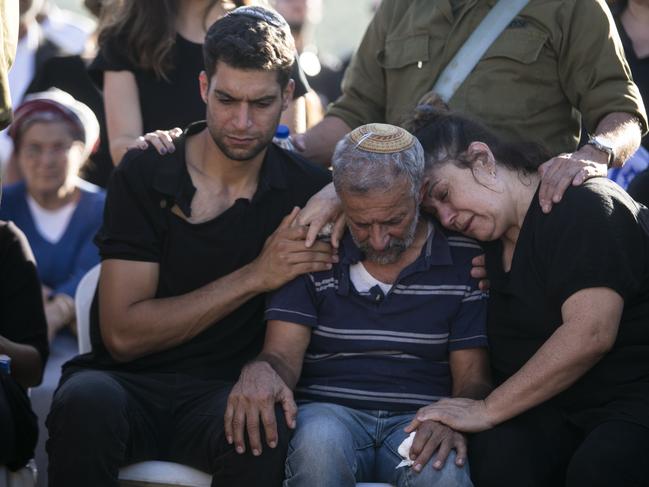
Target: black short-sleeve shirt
[
  {"x": 594, "y": 238},
  {"x": 22, "y": 319},
  {"x": 139, "y": 225},
  {"x": 176, "y": 101}
]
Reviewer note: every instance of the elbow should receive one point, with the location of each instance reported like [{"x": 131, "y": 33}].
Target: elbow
[
  {"x": 598, "y": 344},
  {"x": 118, "y": 344},
  {"x": 119, "y": 351}
]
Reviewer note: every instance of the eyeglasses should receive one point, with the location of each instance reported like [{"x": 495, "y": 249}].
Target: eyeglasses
[{"x": 262, "y": 14}]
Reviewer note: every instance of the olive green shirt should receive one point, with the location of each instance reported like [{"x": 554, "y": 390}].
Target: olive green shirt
[
  {"x": 555, "y": 60},
  {"x": 8, "y": 43}
]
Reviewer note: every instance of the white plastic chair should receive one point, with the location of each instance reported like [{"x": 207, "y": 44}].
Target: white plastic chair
[
  {"x": 152, "y": 472},
  {"x": 142, "y": 473}
]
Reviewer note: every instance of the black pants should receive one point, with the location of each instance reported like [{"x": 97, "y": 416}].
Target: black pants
[
  {"x": 540, "y": 448},
  {"x": 101, "y": 421},
  {"x": 7, "y": 433}
]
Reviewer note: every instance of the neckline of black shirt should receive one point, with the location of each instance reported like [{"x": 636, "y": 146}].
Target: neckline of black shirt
[{"x": 173, "y": 179}]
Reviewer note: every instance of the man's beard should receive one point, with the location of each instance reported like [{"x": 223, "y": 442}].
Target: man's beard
[
  {"x": 240, "y": 154},
  {"x": 263, "y": 140},
  {"x": 392, "y": 251}
]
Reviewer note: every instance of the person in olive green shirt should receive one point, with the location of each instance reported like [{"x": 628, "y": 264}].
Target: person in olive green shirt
[{"x": 557, "y": 65}]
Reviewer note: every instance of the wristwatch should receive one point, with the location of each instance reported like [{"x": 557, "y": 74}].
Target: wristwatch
[{"x": 603, "y": 145}]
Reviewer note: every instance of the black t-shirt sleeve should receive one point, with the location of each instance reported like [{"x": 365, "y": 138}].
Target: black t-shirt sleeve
[
  {"x": 592, "y": 239},
  {"x": 134, "y": 214},
  {"x": 22, "y": 318},
  {"x": 112, "y": 56}
]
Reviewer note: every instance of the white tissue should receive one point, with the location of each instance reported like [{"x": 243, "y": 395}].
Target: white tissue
[{"x": 404, "y": 451}]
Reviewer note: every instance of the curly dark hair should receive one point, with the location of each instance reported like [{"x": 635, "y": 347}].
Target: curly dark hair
[{"x": 251, "y": 38}]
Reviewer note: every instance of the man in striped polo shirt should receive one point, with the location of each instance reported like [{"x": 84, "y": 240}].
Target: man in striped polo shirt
[{"x": 397, "y": 324}]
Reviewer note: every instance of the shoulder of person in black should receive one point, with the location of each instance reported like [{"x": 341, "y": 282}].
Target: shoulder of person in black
[
  {"x": 168, "y": 175},
  {"x": 146, "y": 186},
  {"x": 592, "y": 238},
  {"x": 586, "y": 207}
]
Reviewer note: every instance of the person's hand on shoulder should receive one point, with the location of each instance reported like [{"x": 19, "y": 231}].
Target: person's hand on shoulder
[
  {"x": 323, "y": 209},
  {"x": 564, "y": 170},
  {"x": 162, "y": 140},
  {"x": 479, "y": 271},
  {"x": 285, "y": 256}
]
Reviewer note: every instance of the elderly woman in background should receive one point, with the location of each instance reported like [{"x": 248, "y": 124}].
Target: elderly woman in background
[
  {"x": 568, "y": 315},
  {"x": 59, "y": 213}
]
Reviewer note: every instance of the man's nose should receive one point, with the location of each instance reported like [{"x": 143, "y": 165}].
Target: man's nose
[
  {"x": 379, "y": 237},
  {"x": 242, "y": 118}
]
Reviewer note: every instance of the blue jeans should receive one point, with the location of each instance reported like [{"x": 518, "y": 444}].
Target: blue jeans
[{"x": 337, "y": 446}]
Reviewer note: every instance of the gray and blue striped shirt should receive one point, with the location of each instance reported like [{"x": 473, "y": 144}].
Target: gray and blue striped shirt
[{"x": 374, "y": 351}]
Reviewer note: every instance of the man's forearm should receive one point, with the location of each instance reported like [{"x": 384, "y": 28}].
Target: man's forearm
[
  {"x": 288, "y": 374},
  {"x": 471, "y": 373},
  {"x": 623, "y": 132},
  {"x": 156, "y": 324},
  {"x": 474, "y": 390},
  {"x": 320, "y": 141}
]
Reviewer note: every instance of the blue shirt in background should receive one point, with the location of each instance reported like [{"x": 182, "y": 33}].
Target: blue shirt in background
[{"x": 60, "y": 265}]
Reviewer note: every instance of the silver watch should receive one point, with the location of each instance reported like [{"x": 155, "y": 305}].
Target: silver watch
[{"x": 603, "y": 145}]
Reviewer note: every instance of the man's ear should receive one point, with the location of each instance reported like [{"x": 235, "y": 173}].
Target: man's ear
[
  {"x": 287, "y": 94},
  {"x": 484, "y": 163},
  {"x": 204, "y": 84}
]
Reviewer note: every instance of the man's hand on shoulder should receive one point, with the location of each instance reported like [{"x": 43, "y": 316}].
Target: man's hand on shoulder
[
  {"x": 162, "y": 140},
  {"x": 560, "y": 172},
  {"x": 253, "y": 397},
  {"x": 322, "y": 208},
  {"x": 285, "y": 256},
  {"x": 432, "y": 437}
]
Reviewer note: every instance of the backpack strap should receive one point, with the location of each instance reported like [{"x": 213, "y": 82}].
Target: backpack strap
[{"x": 476, "y": 45}]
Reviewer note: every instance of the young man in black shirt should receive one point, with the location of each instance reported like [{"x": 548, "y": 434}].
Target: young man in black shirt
[{"x": 190, "y": 243}]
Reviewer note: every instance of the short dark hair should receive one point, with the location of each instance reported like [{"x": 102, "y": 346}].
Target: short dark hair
[{"x": 251, "y": 38}]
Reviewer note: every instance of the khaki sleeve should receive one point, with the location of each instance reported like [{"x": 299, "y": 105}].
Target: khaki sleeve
[
  {"x": 8, "y": 43},
  {"x": 363, "y": 87},
  {"x": 592, "y": 67}
]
